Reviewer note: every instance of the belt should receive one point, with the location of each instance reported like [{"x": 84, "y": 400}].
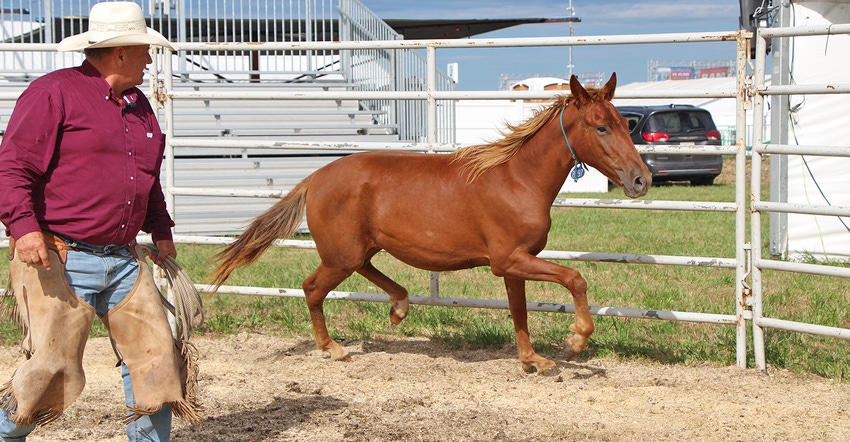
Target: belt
[{"x": 62, "y": 244}]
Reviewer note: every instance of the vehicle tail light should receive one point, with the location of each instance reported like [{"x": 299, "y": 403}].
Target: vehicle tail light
[
  {"x": 656, "y": 136},
  {"x": 713, "y": 135}
]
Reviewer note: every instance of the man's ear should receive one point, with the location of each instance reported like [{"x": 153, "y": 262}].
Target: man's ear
[{"x": 119, "y": 53}]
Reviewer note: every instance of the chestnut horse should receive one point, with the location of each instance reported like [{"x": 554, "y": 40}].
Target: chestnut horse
[{"x": 481, "y": 205}]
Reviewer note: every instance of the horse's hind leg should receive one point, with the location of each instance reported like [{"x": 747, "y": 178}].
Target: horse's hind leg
[
  {"x": 316, "y": 288},
  {"x": 397, "y": 293},
  {"x": 531, "y": 361}
]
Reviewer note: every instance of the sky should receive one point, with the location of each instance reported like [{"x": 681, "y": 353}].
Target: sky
[{"x": 480, "y": 69}]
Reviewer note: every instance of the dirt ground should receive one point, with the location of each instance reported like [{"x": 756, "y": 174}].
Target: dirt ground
[{"x": 257, "y": 387}]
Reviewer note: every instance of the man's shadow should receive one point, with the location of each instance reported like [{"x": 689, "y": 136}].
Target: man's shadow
[{"x": 274, "y": 418}]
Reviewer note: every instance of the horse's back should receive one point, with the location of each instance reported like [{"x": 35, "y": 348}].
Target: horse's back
[
  {"x": 380, "y": 171},
  {"x": 388, "y": 162}
]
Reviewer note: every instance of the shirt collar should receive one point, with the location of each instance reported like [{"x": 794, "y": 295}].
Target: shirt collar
[{"x": 103, "y": 88}]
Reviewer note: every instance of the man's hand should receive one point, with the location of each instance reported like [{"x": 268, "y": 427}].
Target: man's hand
[
  {"x": 31, "y": 250},
  {"x": 166, "y": 248}
]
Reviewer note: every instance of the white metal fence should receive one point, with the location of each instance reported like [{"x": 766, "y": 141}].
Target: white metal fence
[
  {"x": 48, "y": 21},
  {"x": 431, "y": 96},
  {"x": 746, "y": 295},
  {"x": 760, "y": 258},
  {"x": 392, "y": 69}
]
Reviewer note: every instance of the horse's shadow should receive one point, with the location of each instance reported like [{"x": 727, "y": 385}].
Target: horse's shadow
[{"x": 575, "y": 369}]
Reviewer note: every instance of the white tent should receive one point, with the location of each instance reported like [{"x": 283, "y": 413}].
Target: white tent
[{"x": 819, "y": 120}]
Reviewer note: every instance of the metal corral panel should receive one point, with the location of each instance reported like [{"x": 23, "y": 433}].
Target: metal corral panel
[{"x": 215, "y": 215}]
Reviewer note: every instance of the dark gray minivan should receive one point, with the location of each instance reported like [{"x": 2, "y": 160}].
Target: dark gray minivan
[{"x": 678, "y": 125}]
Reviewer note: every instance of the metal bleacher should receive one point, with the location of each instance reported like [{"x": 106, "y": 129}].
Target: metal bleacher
[
  {"x": 245, "y": 117},
  {"x": 256, "y": 169},
  {"x": 248, "y": 117}
]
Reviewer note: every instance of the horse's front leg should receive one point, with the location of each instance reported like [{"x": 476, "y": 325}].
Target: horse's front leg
[
  {"x": 531, "y": 361},
  {"x": 524, "y": 266},
  {"x": 583, "y": 326},
  {"x": 316, "y": 288}
]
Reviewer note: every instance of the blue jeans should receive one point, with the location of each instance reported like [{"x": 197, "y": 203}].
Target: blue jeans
[{"x": 104, "y": 280}]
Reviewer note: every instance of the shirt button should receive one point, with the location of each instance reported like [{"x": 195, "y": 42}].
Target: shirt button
[
  {"x": 126, "y": 130},
  {"x": 122, "y": 226},
  {"x": 131, "y": 178},
  {"x": 129, "y": 203},
  {"x": 130, "y": 153}
]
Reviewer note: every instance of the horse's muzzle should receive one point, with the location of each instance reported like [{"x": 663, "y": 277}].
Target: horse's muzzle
[{"x": 638, "y": 187}]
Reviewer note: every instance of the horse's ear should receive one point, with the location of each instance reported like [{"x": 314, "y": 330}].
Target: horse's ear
[
  {"x": 580, "y": 94},
  {"x": 607, "y": 91}
]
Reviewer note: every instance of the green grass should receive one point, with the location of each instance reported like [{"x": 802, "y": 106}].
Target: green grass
[{"x": 797, "y": 297}]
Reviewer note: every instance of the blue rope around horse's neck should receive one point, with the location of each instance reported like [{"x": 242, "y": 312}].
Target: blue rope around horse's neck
[{"x": 578, "y": 167}]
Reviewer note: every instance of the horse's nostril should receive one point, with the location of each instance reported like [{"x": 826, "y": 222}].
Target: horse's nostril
[{"x": 640, "y": 184}]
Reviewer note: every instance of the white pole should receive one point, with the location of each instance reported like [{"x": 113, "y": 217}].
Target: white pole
[{"x": 572, "y": 32}]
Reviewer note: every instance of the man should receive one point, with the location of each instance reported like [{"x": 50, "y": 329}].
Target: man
[{"x": 79, "y": 180}]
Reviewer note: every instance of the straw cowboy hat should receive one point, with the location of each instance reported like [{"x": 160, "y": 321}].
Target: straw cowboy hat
[{"x": 114, "y": 24}]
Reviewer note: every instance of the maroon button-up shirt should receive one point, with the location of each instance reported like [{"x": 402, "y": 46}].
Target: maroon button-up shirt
[{"x": 76, "y": 162}]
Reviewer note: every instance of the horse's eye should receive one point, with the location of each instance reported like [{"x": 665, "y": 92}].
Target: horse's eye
[{"x": 602, "y": 130}]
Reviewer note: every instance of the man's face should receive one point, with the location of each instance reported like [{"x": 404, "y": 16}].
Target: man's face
[{"x": 137, "y": 58}]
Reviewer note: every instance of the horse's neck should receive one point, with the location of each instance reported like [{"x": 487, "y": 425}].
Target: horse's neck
[{"x": 544, "y": 160}]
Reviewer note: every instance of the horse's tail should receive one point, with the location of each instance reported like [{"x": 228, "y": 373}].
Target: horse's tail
[{"x": 280, "y": 221}]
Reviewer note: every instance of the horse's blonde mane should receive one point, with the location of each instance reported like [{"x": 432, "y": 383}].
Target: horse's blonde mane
[{"x": 483, "y": 157}]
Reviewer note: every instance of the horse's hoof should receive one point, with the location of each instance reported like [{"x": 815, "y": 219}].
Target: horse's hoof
[
  {"x": 344, "y": 358},
  {"x": 540, "y": 367},
  {"x": 338, "y": 353},
  {"x": 395, "y": 319},
  {"x": 574, "y": 345},
  {"x": 398, "y": 312}
]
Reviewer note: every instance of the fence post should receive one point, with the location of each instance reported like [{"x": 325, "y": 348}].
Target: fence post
[
  {"x": 755, "y": 197},
  {"x": 741, "y": 291}
]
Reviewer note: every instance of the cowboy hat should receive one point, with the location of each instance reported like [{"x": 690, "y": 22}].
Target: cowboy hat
[{"x": 114, "y": 24}]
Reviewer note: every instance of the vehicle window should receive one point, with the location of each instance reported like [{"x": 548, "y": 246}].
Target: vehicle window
[
  {"x": 632, "y": 120},
  {"x": 664, "y": 122},
  {"x": 680, "y": 122},
  {"x": 690, "y": 121},
  {"x": 701, "y": 121}
]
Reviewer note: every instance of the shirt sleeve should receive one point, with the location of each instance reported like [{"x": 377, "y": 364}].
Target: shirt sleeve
[
  {"x": 158, "y": 222},
  {"x": 26, "y": 152}
]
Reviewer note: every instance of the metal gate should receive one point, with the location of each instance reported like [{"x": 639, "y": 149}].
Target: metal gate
[{"x": 760, "y": 257}]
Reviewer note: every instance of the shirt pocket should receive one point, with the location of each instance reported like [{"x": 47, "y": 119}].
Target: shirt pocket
[{"x": 150, "y": 155}]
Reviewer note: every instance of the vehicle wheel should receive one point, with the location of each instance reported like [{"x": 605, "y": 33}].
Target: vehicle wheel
[{"x": 702, "y": 181}]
